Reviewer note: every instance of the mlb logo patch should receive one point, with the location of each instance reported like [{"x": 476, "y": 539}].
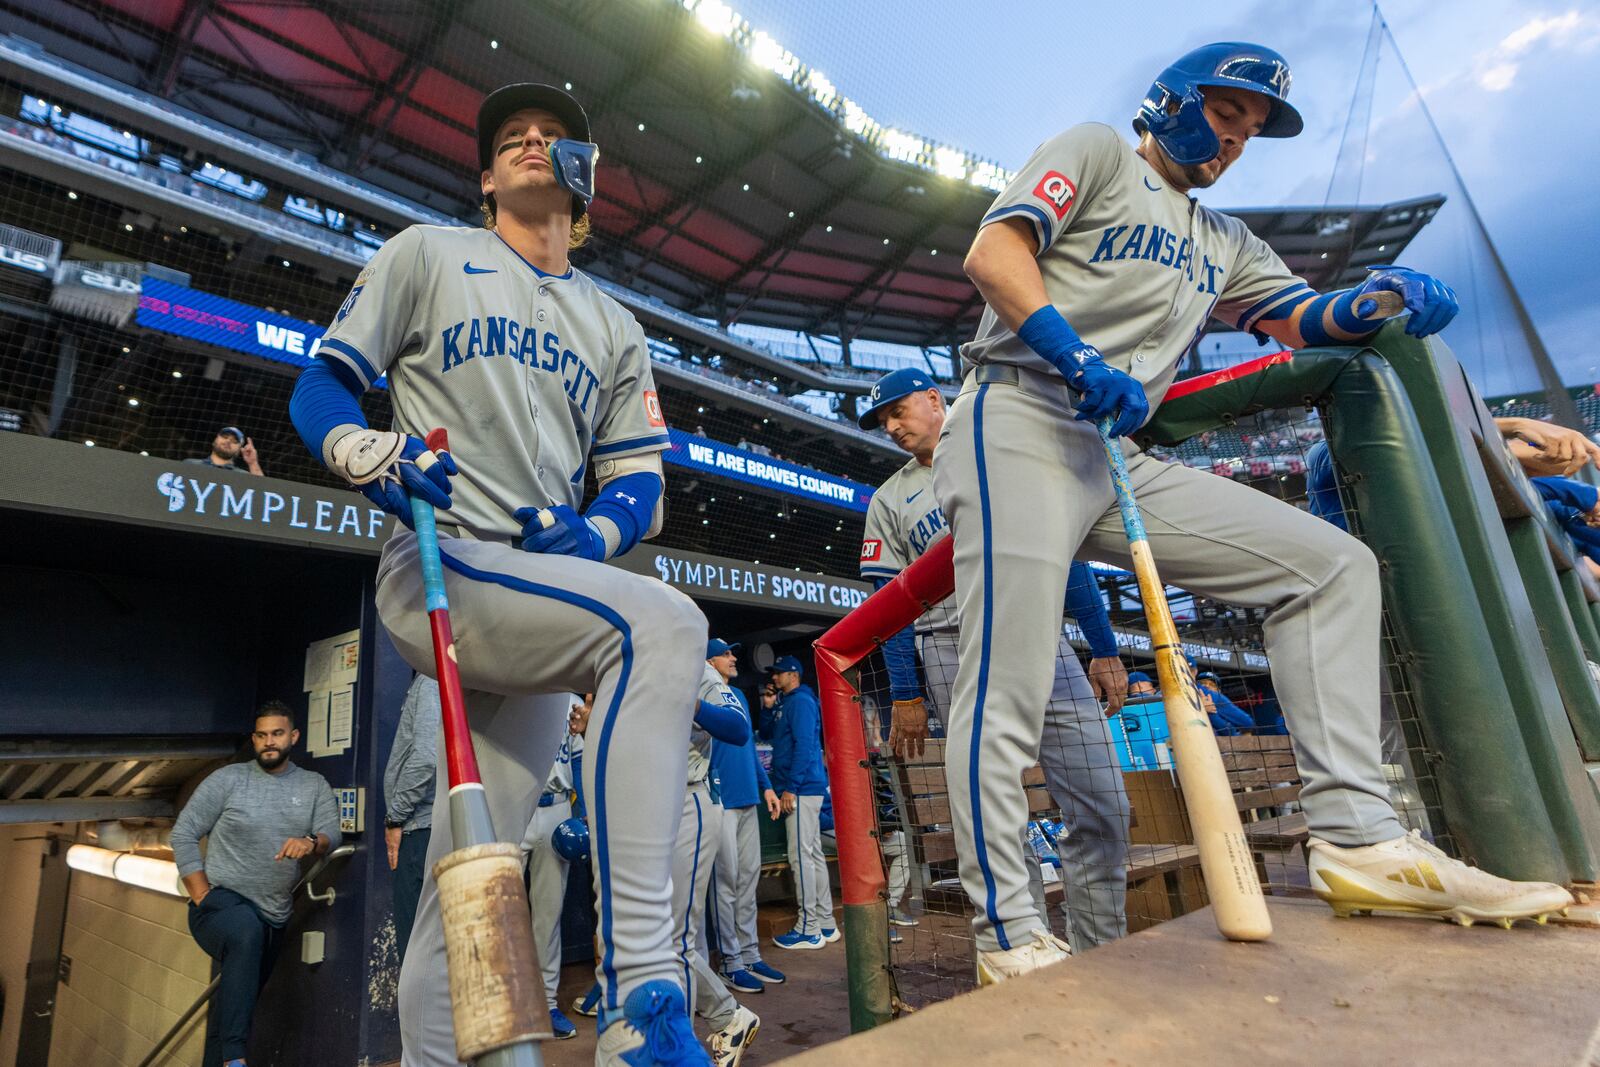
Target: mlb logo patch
[
  {"x": 870, "y": 551},
  {"x": 652, "y": 408},
  {"x": 1057, "y": 191}
]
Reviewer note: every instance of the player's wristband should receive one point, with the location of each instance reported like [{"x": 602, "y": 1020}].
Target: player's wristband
[
  {"x": 1340, "y": 309},
  {"x": 1056, "y": 342},
  {"x": 627, "y": 504}
]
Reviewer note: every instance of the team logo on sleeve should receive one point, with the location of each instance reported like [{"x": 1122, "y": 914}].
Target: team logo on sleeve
[
  {"x": 1055, "y": 190},
  {"x": 349, "y": 302},
  {"x": 871, "y": 551},
  {"x": 652, "y": 408}
]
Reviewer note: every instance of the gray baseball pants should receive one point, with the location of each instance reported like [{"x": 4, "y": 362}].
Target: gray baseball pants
[
  {"x": 812, "y": 893},
  {"x": 733, "y": 902},
  {"x": 692, "y": 860},
  {"x": 531, "y": 630},
  {"x": 1025, "y": 488},
  {"x": 1084, "y": 778},
  {"x": 547, "y": 889}
]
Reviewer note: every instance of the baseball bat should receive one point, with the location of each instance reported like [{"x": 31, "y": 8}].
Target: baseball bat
[
  {"x": 1386, "y": 304},
  {"x": 496, "y": 988},
  {"x": 1230, "y": 871}
]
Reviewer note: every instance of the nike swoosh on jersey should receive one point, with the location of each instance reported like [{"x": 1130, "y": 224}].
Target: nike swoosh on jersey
[
  {"x": 914, "y": 496},
  {"x": 468, "y": 268}
]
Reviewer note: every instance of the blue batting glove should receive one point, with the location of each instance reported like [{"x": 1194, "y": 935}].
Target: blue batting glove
[
  {"x": 1431, "y": 302},
  {"x": 406, "y": 478},
  {"x": 1106, "y": 392},
  {"x": 560, "y": 531}
]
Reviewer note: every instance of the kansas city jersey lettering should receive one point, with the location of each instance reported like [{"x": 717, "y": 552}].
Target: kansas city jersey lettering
[
  {"x": 1133, "y": 264},
  {"x": 499, "y": 335},
  {"x": 922, "y": 533},
  {"x": 903, "y": 520},
  {"x": 1155, "y": 244}
]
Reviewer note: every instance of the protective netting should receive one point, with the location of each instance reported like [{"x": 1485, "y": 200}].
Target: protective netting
[{"x": 1094, "y": 771}]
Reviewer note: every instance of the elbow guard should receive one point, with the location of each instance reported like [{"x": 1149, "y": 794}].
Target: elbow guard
[
  {"x": 611, "y": 470},
  {"x": 629, "y": 504}
]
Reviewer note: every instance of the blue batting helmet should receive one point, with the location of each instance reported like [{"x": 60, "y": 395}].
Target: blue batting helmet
[
  {"x": 892, "y": 387},
  {"x": 1173, "y": 110},
  {"x": 570, "y": 839}
]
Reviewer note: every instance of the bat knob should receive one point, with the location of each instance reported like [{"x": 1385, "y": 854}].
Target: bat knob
[{"x": 438, "y": 440}]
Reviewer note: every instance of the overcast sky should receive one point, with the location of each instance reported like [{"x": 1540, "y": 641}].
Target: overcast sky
[{"x": 1510, "y": 83}]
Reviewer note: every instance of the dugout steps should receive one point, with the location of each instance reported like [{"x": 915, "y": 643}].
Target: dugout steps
[{"x": 1322, "y": 991}]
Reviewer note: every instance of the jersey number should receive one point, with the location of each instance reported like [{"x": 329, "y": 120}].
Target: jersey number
[{"x": 1055, "y": 190}]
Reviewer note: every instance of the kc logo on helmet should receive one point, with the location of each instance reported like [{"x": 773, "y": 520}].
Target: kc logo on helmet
[
  {"x": 1055, "y": 190},
  {"x": 871, "y": 550}
]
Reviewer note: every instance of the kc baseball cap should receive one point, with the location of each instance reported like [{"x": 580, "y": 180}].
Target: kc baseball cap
[
  {"x": 1138, "y": 676},
  {"x": 510, "y": 99},
  {"x": 892, "y": 387},
  {"x": 235, "y": 431},
  {"x": 786, "y": 663},
  {"x": 717, "y": 646},
  {"x": 1207, "y": 674}
]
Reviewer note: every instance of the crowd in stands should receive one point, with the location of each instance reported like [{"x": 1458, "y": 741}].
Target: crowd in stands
[{"x": 323, "y": 240}]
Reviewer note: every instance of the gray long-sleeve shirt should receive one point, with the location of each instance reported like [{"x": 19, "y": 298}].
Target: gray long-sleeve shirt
[
  {"x": 408, "y": 777},
  {"x": 248, "y": 814}
]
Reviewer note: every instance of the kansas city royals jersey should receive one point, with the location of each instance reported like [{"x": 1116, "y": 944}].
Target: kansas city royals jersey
[
  {"x": 1134, "y": 265},
  {"x": 532, "y": 373},
  {"x": 903, "y": 519},
  {"x": 713, "y": 690},
  {"x": 561, "y": 771}
]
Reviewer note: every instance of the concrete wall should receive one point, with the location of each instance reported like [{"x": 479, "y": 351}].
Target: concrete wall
[
  {"x": 135, "y": 969},
  {"x": 19, "y": 896}
]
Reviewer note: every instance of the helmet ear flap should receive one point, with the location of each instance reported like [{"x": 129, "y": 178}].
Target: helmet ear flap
[{"x": 1178, "y": 123}]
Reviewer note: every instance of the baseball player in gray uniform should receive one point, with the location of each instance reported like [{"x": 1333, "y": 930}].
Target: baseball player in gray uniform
[
  {"x": 537, "y": 374},
  {"x": 1076, "y": 750},
  {"x": 718, "y": 715},
  {"x": 547, "y": 875},
  {"x": 1099, "y": 271}
]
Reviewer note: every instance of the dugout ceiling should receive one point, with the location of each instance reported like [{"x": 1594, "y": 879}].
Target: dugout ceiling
[{"x": 740, "y": 199}]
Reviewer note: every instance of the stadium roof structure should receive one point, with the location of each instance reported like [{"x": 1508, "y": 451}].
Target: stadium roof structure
[{"x": 735, "y": 183}]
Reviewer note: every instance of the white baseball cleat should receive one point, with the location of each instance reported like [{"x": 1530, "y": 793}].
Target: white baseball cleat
[
  {"x": 729, "y": 1043},
  {"x": 1408, "y": 874},
  {"x": 1041, "y": 950}
]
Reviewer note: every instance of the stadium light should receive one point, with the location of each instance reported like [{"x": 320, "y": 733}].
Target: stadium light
[
  {"x": 494, "y": 44},
  {"x": 769, "y": 54},
  {"x": 716, "y": 16},
  {"x": 822, "y": 90},
  {"x": 949, "y": 162},
  {"x": 858, "y": 122},
  {"x": 71, "y": 195},
  {"x": 766, "y": 52}
]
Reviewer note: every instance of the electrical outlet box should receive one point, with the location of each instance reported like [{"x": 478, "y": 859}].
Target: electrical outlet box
[{"x": 311, "y": 946}]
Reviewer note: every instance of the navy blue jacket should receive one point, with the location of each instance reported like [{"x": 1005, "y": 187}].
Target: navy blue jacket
[
  {"x": 796, "y": 731},
  {"x": 738, "y": 767},
  {"x": 1229, "y": 718}
]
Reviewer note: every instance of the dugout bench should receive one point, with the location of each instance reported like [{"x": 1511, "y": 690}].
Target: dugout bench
[{"x": 1164, "y": 879}]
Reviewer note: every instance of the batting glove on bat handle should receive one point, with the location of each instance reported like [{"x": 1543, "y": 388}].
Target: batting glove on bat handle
[
  {"x": 1106, "y": 393},
  {"x": 390, "y": 468},
  {"x": 1431, "y": 302}
]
